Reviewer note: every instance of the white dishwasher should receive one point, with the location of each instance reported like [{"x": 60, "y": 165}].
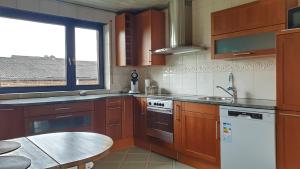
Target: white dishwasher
[{"x": 247, "y": 138}]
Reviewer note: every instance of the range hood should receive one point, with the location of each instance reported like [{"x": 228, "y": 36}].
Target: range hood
[{"x": 180, "y": 27}]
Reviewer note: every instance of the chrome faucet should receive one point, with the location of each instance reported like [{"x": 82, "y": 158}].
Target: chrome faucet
[{"x": 231, "y": 90}]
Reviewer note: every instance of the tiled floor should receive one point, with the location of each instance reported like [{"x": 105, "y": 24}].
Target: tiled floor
[{"x": 136, "y": 158}]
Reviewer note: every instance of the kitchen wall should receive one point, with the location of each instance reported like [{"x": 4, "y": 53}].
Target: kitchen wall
[
  {"x": 197, "y": 74},
  {"x": 116, "y": 78}
]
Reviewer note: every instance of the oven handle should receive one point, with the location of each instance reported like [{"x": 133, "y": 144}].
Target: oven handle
[{"x": 159, "y": 110}]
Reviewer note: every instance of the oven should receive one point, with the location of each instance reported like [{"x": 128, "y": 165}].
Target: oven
[{"x": 160, "y": 119}]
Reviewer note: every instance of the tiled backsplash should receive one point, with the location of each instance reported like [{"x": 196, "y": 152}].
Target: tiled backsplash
[{"x": 198, "y": 74}]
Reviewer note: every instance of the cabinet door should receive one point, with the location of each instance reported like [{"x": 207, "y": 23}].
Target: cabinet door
[
  {"x": 288, "y": 140},
  {"x": 99, "y": 117},
  {"x": 150, "y": 32},
  {"x": 140, "y": 118},
  {"x": 143, "y": 33},
  {"x": 11, "y": 123},
  {"x": 288, "y": 78},
  {"x": 199, "y": 133},
  {"x": 253, "y": 15},
  {"x": 177, "y": 125},
  {"x": 127, "y": 118}
]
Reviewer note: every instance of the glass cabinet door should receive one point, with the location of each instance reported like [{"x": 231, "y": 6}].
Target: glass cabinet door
[
  {"x": 57, "y": 123},
  {"x": 256, "y": 42}
]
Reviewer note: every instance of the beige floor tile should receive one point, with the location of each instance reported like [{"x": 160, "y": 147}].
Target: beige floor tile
[
  {"x": 106, "y": 165},
  {"x": 168, "y": 165},
  {"x": 179, "y": 165},
  {"x": 114, "y": 157},
  {"x": 158, "y": 158},
  {"x": 133, "y": 165},
  {"x": 138, "y": 150},
  {"x": 136, "y": 158}
]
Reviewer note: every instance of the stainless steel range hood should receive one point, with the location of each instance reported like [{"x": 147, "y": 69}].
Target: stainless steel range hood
[{"x": 180, "y": 25}]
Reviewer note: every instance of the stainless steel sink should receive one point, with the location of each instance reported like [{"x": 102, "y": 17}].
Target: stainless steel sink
[{"x": 216, "y": 99}]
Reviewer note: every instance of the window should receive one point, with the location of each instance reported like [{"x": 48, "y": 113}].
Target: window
[
  {"x": 49, "y": 53},
  {"x": 31, "y": 56},
  {"x": 86, "y": 56}
]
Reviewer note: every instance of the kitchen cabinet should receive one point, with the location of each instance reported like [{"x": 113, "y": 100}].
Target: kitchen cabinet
[
  {"x": 125, "y": 40},
  {"x": 248, "y": 30},
  {"x": 11, "y": 123},
  {"x": 150, "y": 32},
  {"x": 261, "y": 13},
  {"x": 177, "y": 125},
  {"x": 114, "y": 118},
  {"x": 140, "y": 122},
  {"x": 197, "y": 131},
  {"x": 127, "y": 118},
  {"x": 99, "y": 117},
  {"x": 58, "y": 117},
  {"x": 288, "y": 61},
  {"x": 288, "y": 140}
]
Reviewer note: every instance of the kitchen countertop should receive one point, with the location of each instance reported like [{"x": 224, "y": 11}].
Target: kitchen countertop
[{"x": 250, "y": 103}]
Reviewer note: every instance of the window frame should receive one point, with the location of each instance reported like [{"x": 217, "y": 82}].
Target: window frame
[{"x": 70, "y": 25}]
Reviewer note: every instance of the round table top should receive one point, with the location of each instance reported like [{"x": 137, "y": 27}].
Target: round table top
[
  {"x": 68, "y": 148},
  {"x": 8, "y": 146},
  {"x": 14, "y": 162}
]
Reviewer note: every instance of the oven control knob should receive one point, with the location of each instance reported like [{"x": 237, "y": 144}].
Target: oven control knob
[
  {"x": 155, "y": 104},
  {"x": 162, "y": 104},
  {"x": 149, "y": 103}
]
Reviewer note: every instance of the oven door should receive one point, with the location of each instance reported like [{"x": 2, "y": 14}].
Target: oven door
[{"x": 160, "y": 124}]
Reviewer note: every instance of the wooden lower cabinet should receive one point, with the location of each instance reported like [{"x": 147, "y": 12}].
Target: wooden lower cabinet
[
  {"x": 288, "y": 140},
  {"x": 140, "y": 123},
  {"x": 196, "y": 131},
  {"x": 11, "y": 123},
  {"x": 99, "y": 117}
]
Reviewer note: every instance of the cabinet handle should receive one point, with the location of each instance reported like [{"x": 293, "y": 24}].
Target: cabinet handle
[
  {"x": 60, "y": 117},
  {"x": 217, "y": 131},
  {"x": 63, "y": 108},
  {"x": 242, "y": 53},
  {"x": 7, "y": 109},
  {"x": 113, "y": 108}
]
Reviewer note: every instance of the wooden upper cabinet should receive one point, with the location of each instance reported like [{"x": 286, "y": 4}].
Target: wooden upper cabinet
[
  {"x": 197, "y": 131},
  {"x": 288, "y": 140},
  {"x": 11, "y": 123},
  {"x": 261, "y": 13},
  {"x": 288, "y": 77},
  {"x": 248, "y": 30},
  {"x": 125, "y": 40},
  {"x": 150, "y": 32}
]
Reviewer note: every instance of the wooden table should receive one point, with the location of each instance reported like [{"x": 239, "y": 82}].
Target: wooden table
[{"x": 63, "y": 150}]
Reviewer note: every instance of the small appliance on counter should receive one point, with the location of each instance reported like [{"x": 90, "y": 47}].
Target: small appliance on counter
[{"x": 134, "y": 89}]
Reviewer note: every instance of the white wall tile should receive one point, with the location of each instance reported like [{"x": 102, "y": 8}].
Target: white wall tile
[
  {"x": 264, "y": 87},
  {"x": 8, "y": 3},
  {"x": 205, "y": 84}
]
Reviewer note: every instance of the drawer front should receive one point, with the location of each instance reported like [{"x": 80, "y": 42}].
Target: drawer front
[
  {"x": 114, "y": 131},
  {"x": 114, "y": 102},
  {"x": 201, "y": 108},
  {"x": 32, "y": 111},
  {"x": 113, "y": 115},
  {"x": 73, "y": 107}
]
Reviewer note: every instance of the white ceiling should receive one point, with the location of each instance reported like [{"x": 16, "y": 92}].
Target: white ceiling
[{"x": 121, "y": 5}]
